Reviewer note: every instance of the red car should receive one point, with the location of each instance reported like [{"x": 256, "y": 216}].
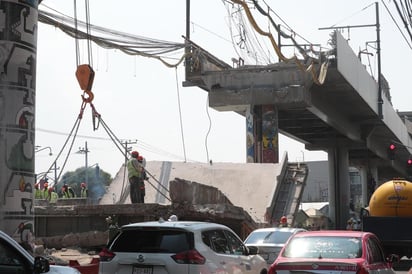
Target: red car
[{"x": 333, "y": 252}]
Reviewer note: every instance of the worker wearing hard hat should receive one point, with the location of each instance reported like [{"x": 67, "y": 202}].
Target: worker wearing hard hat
[
  {"x": 283, "y": 222},
  {"x": 84, "y": 192},
  {"x": 67, "y": 192},
  {"x": 134, "y": 170},
  {"x": 45, "y": 190},
  {"x": 52, "y": 195},
  {"x": 142, "y": 189},
  {"x": 38, "y": 194}
]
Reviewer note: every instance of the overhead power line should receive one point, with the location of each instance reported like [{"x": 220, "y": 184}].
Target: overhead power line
[{"x": 111, "y": 39}]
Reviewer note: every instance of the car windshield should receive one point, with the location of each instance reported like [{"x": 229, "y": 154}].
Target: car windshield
[
  {"x": 152, "y": 241},
  {"x": 324, "y": 247},
  {"x": 268, "y": 237}
]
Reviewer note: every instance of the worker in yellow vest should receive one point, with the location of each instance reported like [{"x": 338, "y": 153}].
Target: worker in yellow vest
[
  {"x": 67, "y": 192},
  {"x": 52, "y": 197},
  {"x": 45, "y": 191},
  {"x": 84, "y": 192},
  {"x": 38, "y": 194},
  {"x": 134, "y": 170}
]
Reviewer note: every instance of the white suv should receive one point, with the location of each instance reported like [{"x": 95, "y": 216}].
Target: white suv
[{"x": 179, "y": 247}]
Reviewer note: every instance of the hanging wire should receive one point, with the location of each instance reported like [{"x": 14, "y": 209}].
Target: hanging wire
[
  {"x": 208, "y": 131},
  {"x": 88, "y": 31},
  {"x": 76, "y": 40},
  {"x": 404, "y": 20},
  {"x": 180, "y": 115},
  {"x": 73, "y": 133},
  {"x": 397, "y": 25},
  {"x": 112, "y": 39}
]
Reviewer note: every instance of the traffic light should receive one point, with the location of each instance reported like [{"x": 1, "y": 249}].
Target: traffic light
[{"x": 391, "y": 151}]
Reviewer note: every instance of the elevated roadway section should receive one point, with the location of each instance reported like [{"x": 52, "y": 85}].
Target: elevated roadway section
[{"x": 349, "y": 116}]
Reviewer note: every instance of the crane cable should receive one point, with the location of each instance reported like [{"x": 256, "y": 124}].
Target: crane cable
[
  {"x": 85, "y": 76},
  {"x": 84, "y": 72},
  {"x": 74, "y": 129}
]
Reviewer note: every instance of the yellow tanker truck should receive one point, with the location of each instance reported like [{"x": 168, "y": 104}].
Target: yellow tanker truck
[{"x": 389, "y": 216}]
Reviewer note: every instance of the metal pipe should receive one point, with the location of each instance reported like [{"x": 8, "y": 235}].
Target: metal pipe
[{"x": 378, "y": 53}]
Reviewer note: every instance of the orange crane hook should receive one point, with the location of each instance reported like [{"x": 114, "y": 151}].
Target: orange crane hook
[{"x": 85, "y": 77}]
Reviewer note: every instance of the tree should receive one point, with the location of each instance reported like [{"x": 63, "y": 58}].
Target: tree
[{"x": 97, "y": 179}]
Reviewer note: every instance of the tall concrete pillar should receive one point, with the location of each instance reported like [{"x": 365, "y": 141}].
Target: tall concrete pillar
[
  {"x": 250, "y": 136},
  {"x": 339, "y": 186},
  {"x": 363, "y": 171},
  {"x": 262, "y": 134},
  {"x": 18, "y": 39}
]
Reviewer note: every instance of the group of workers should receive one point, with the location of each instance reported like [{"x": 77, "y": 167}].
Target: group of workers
[
  {"x": 48, "y": 192},
  {"x": 136, "y": 175}
]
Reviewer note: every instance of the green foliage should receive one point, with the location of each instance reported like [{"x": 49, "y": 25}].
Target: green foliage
[{"x": 97, "y": 179}]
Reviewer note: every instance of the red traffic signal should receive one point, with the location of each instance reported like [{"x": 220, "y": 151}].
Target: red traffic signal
[
  {"x": 409, "y": 166},
  {"x": 391, "y": 151}
]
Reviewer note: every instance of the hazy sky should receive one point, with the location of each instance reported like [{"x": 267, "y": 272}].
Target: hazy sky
[{"x": 138, "y": 97}]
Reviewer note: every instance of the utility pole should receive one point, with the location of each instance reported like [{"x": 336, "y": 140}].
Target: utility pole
[
  {"x": 55, "y": 168},
  {"x": 85, "y": 150},
  {"x": 126, "y": 144}
]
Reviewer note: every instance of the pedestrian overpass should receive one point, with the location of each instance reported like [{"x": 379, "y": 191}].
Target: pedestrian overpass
[{"x": 349, "y": 116}]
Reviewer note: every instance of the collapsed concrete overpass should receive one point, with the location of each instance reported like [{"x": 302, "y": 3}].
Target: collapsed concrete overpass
[{"x": 344, "y": 116}]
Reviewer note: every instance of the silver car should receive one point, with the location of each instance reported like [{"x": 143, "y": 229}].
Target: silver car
[
  {"x": 15, "y": 259},
  {"x": 270, "y": 240},
  {"x": 178, "y": 247}
]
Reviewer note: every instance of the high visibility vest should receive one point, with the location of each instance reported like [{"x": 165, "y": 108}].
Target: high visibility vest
[
  {"x": 69, "y": 193},
  {"x": 131, "y": 170},
  {"x": 53, "y": 197},
  {"x": 45, "y": 193},
  {"x": 38, "y": 194},
  {"x": 83, "y": 193}
]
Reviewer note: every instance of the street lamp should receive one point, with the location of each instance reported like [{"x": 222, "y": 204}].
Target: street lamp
[
  {"x": 39, "y": 148},
  {"x": 55, "y": 168}
]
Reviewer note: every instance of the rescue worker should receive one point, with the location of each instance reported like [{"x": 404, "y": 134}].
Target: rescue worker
[
  {"x": 45, "y": 191},
  {"x": 142, "y": 189},
  {"x": 84, "y": 192},
  {"x": 38, "y": 194},
  {"x": 134, "y": 170},
  {"x": 52, "y": 195},
  {"x": 283, "y": 221},
  {"x": 349, "y": 224},
  {"x": 67, "y": 192}
]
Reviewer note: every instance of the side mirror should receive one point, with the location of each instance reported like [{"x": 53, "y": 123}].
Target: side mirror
[
  {"x": 253, "y": 250},
  {"x": 41, "y": 265}
]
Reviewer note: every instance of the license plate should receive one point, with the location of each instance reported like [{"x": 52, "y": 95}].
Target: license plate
[{"x": 142, "y": 270}]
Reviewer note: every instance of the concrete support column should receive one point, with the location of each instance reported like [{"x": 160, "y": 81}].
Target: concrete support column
[
  {"x": 262, "y": 134},
  {"x": 339, "y": 188},
  {"x": 363, "y": 172},
  {"x": 18, "y": 39},
  {"x": 250, "y": 136}
]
